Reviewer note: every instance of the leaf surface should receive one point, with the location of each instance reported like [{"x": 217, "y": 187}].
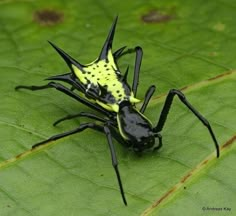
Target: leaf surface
[{"x": 187, "y": 45}]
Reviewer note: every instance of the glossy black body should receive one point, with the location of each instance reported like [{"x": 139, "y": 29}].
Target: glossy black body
[{"x": 135, "y": 128}]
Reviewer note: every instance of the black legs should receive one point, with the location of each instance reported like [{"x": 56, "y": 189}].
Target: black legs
[
  {"x": 147, "y": 98},
  {"x": 114, "y": 161},
  {"x": 138, "y": 61},
  {"x": 34, "y": 88},
  {"x": 105, "y": 129},
  {"x": 119, "y": 53},
  {"x": 81, "y": 114},
  {"x": 68, "y": 133},
  {"x": 68, "y": 92},
  {"x": 166, "y": 108}
]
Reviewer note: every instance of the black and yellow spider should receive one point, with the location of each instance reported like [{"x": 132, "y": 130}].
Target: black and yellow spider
[{"x": 101, "y": 86}]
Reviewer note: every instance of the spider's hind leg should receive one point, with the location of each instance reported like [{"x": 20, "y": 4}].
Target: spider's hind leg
[
  {"x": 104, "y": 129},
  {"x": 33, "y": 88},
  {"x": 68, "y": 92},
  {"x": 81, "y": 114},
  {"x": 81, "y": 128}
]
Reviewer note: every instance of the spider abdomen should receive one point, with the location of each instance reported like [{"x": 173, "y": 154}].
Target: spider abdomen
[{"x": 105, "y": 77}]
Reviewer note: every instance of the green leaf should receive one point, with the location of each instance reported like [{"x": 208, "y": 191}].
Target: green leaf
[{"x": 187, "y": 45}]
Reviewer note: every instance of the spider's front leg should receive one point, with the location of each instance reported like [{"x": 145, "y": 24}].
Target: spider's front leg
[
  {"x": 167, "y": 106},
  {"x": 147, "y": 98}
]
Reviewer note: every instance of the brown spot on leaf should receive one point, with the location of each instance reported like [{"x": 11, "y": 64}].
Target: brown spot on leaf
[
  {"x": 48, "y": 17},
  {"x": 229, "y": 142},
  {"x": 158, "y": 16},
  {"x": 219, "y": 76},
  {"x": 184, "y": 88},
  {"x": 204, "y": 162},
  {"x": 19, "y": 155},
  {"x": 168, "y": 193},
  {"x": 185, "y": 177}
]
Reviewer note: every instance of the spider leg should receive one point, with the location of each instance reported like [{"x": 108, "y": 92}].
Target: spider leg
[
  {"x": 81, "y": 128},
  {"x": 166, "y": 108},
  {"x": 114, "y": 161},
  {"x": 116, "y": 135},
  {"x": 147, "y": 98},
  {"x": 81, "y": 114},
  {"x": 160, "y": 142},
  {"x": 118, "y": 53},
  {"x": 72, "y": 88},
  {"x": 67, "y": 91},
  {"x": 99, "y": 128},
  {"x": 138, "y": 61},
  {"x": 139, "y": 54}
]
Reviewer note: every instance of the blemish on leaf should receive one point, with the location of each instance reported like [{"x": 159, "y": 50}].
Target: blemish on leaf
[
  {"x": 213, "y": 54},
  {"x": 204, "y": 162},
  {"x": 219, "y": 76},
  {"x": 184, "y": 88},
  {"x": 229, "y": 142},
  {"x": 48, "y": 17},
  {"x": 185, "y": 177},
  {"x": 19, "y": 155},
  {"x": 154, "y": 205},
  {"x": 158, "y": 16},
  {"x": 219, "y": 27},
  {"x": 168, "y": 193}
]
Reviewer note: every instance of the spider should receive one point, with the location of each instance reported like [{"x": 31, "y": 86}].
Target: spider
[{"x": 101, "y": 86}]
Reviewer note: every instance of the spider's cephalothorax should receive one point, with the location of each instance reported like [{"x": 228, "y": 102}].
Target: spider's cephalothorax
[
  {"x": 135, "y": 128},
  {"x": 105, "y": 89}
]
